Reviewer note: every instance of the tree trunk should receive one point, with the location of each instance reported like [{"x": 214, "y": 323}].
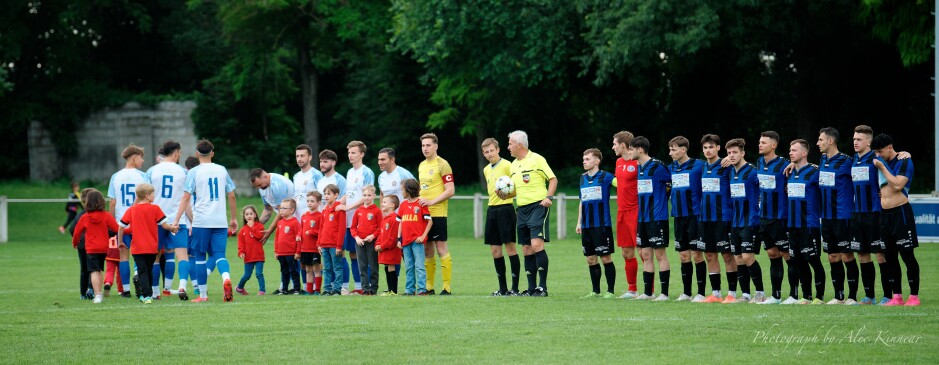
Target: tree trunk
[{"x": 308, "y": 85}]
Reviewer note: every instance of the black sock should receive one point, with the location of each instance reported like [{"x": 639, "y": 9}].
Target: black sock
[
  {"x": 805, "y": 278},
  {"x": 893, "y": 260},
  {"x": 852, "y": 275},
  {"x": 515, "y": 265},
  {"x": 886, "y": 279},
  {"x": 542, "y": 262},
  {"x": 743, "y": 276},
  {"x": 837, "y": 279},
  {"x": 912, "y": 270},
  {"x": 701, "y": 271},
  {"x": 609, "y": 270},
  {"x": 819, "y": 271},
  {"x": 530, "y": 269},
  {"x": 394, "y": 281},
  {"x": 687, "y": 270},
  {"x": 867, "y": 278},
  {"x": 731, "y": 281},
  {"x": 792, "y": 272},
  {"x": 389, "y": 280},
  {"x": 647, "y": 278},
  {"x": 776, "y": 276},
  {"x": 715, "y": 278},
  {"x": 756, "y": 274},
  {"x": 500, "y": 273},
  {"x": 595, "y": 277},
  {"x": 663, "y": 281}
]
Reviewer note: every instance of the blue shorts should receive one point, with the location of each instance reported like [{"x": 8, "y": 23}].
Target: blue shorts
[
  {"x": 170, "y": 241},
  {"x": 209, "y": 240},
  {"x": 349, "y": 243}
]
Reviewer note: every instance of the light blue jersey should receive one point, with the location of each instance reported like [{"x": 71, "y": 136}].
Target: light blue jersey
[
  {"x": 303, "y": 183},
  {"x": 280, "y": 188},
  {"x": 168, "y": 180},
  {"x": 356, "y": 179},
  {"x": 335, "y": 179},
  {"x": 390, "y": 183},
  {"x": 123, "y": 189},
  {"x": 209, "y": 208}
]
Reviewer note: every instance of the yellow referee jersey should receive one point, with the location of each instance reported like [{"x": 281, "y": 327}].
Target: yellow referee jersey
[
  {"x": 531, "y": 176},
  {"x": 433, "y": 175},
  {"x": 493, "y": 172}
]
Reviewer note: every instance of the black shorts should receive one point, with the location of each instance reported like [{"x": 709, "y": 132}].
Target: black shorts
[
  {"x": 805, "y": 241},
  {"x": 686, "y": 234},
  {"x": 310, "y": 258},
  {"x": 773, "y": 233},
  {"x": 95, "y": 261},
  {"x": 597, "y": 241},
  {"x": 836, "y": 235},
  {"x": 438, "y": 232},
  {"x": 715, "y": 236},
  {"x": 652, "y": 234},
  {"x": 532, "y": 222},
  {"x": 898, "y": 228},
  {"x": 865, "y": 233},
  {"x": 500, "y": 224},
  {"x": 743, "y": 240}
]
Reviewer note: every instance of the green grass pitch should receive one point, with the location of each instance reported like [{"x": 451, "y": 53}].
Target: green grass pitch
[{"x": 43, "y": 321}]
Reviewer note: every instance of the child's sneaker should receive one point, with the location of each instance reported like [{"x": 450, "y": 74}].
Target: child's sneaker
[
  {"x": 227, "y": 287},
  {"x": 241, "y": 291},
  {"x": 261, "y": 293},
  {"x": 344, "y": 291},
  {"x": 912, "y": 301},
  {"x": 98, "y": 300},
  {"x": 195, "y": 290},
  {"x": 147, "y": 300}
]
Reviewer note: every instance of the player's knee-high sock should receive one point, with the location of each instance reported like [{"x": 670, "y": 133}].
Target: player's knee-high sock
[
  {"x": 356, "y": 274},
  {"x": 318, "y": 283},
  {"x": 595, "y": 273},
  {"x": 201, "y": 275},
  {"x": 609, "y": 270},
  {"x": 663, "y": 280},
  {"x": 515, "y": 264},
  {"x": 346, "y": 272},
  {"x": 124, "y": 268},
  {"x": 837, "y": 279},
  {"x": 820, "y": 278},
  {"x": 886, "y": 279},
  {"x": 647, "y": 278},
  {"x": 792, "y": 271},
  {"x": 169, "y": 269},
  {"x": 446, "y": 268},
  {"x": 222, "y": 264},
  {"x": 867, "y": 278},
  {"x": 743, "y": 276},
  {"x": 700, "y": 272},
  {"x": 732, "y": 283},
  {"x": 530, "y": 268},
  {"x": 776, "y": 276},
  {"x": 500, "y": 273},
  {"x": 853, "y": 276},
  {"x": 388, "y": 275},
  {"x": 541, "y": 261},
  {"x": 632, "y": 267},
  {"x": 912, "y": 270},
  {"x": 302, "y": 272},
  {"x": 756, "y": 274},
  {"x": 715, "y": 278},
  {"x": 805, "y": 278},
  {"x": 155, "y": 279},
  {"x": 430, "y": 265},
  {"x": 687, "y": 271},
  {"x": 893, "y": 260},
  {"x": 183, "y": 273}
]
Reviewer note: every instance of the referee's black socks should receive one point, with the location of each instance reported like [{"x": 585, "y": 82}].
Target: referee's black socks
[
  {"x": 500, "y": 273},
  {"x": 541, "y": 260},
  {"x": 515, "y": 265},
  {"x": 530, "y": 269}
]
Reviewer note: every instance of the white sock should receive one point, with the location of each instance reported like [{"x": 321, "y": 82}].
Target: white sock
[
  {"x": 345, "y": 286},
  {"x": 759, "y": 293},
  {"x": 225, "y": 276},
  {"x": 156, "y": 291},
  {"x": 358, "y": 286},
  {"x": 167, "y": 284},
  {"x": 182, "y": 284},
  {"x": 203, "y": 291},
  {"x": 280, "y": 287},
  {"x": 716, "y": 293}
]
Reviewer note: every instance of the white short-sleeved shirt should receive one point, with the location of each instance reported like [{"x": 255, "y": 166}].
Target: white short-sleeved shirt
[
  {"x": 209, "y": 183},
  {"x": 303, "y": 183},
  {"x": 356, "y": 179},
  {"x": 280, "y": 188},
  {"x": 390, "y": 183},
  {"x": 335, "y": 179},
  {"x": 168, "y": 180},
  {"x": 123, "y": 189}
]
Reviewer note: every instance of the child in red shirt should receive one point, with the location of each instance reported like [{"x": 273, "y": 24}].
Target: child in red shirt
[
  {"x": 412, "y": 233},
  {"x": 144, "y": 243},
  {"x": 330, "y": 241},
  {"x": 251, "y": 249},
  {"x": 287, "y": 247},
  {"x": 387, "y": 243},
  {"x": 365, "y": 228},
  {"x": 95, "y": 226},
  {"x": 311, "y": 223}
]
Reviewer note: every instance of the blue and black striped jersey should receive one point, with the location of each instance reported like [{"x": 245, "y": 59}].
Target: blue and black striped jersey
[
  {"x": 745, "y": 195},
  {"x": 773, "y": 204},
  {"x": 866, "y": 189},
  {"x": 595, "y": 199},
  {"x": 898, "y": 167},
  {"x": 834, "y": 181},
  {"x": 715, "y": 193},
  {"x": 804, "y": 195},
  {"x": 686, "y": 187},
  {"x": 652, "y": 186}
]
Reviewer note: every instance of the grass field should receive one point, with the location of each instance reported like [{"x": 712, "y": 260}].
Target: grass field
[{"x": 45, "y": 322}]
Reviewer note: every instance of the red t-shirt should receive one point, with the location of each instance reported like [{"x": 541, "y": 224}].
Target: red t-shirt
[
  {"x": 249, "y": 242},
  {"x": 145, "y": 218},
  {"x": 366, "y": 221},
  {"x": 413, "y": 218},
  {"x": 388, "y": 241},
  {"x": 627, "y": 172},
  {"x": 333, "y": 231},
  {"x": 95, "y": 227},
  {"x": 311, "y": 224},
  {"x": 287, "y": 232}
]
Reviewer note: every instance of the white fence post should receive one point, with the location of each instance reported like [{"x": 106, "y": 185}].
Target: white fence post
[
  {"x": 4, "y": 226},
  {"x": 477, "y": 215},
  {"x": 561, "y": 202}
]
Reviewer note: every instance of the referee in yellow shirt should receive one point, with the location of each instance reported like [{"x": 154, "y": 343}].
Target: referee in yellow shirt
[
  {"x": 436, "y": 178},
  {"x": 500, "y": 219},
  {"x": 535, "y": 184}
]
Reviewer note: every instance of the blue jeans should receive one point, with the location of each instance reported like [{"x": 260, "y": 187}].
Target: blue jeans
[
  {"x": 258, "y": 268},
  {"x": 332, "y": 270},
  {"x": 416, "y": 273}
]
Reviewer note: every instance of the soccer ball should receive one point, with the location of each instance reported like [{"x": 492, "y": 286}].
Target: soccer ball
[{"x": 505, "y": 185}]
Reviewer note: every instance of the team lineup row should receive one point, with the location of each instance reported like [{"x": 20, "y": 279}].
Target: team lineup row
[{"x": 724, "y": 206}]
